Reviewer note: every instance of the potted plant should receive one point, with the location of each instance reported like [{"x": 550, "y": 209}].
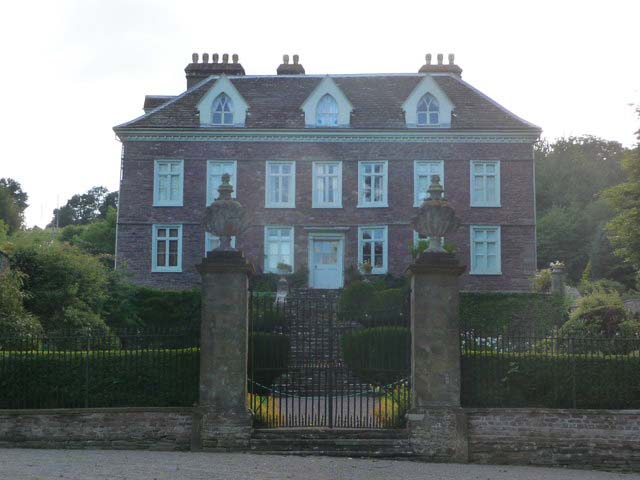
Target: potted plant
[
  {"x": 283, "y": 268},
  {"x": 366, "y": 268}
]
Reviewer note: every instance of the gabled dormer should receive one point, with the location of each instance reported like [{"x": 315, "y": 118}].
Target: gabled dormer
[
  {"x": 327, "y": 106},
  {"x": 222, "y": 106},
  {"x": 428, "y": 106}
]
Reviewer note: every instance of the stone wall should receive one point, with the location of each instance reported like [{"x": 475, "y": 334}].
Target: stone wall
[
  {"x": 112, "y": 428},
  {"x": 605, "y": 439},
  {"x": 137, "y": 214}
]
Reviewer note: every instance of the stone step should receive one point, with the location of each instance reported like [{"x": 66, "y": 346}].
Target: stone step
[{"x": 329, "y": 433}]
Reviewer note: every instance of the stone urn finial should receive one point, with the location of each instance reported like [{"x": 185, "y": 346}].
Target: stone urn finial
[
  {"x": 225, "y": 217},
  {"x": 435, "y": 218}
]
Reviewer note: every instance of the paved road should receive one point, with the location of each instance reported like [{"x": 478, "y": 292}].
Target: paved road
[{"x": 22, "y": 464}]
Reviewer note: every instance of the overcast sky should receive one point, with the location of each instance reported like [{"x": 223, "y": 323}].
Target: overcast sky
[{"x": 74, "y": 69}]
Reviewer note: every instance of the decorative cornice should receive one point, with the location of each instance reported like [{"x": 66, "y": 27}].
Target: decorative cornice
[{"x": 322, "y": 136}]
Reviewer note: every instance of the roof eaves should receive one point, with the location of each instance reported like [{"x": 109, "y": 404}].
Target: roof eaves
[{"x": 160, "y": 107}]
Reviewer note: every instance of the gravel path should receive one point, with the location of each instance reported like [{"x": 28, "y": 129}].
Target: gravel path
[{"x": 23, "y": 464}]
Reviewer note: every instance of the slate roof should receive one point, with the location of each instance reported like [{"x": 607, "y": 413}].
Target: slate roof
[{"x": 275, "y": 101}]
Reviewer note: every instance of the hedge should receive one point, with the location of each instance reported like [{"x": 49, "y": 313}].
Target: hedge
[
  {"x": 268, "y": 359},
  {"x": 490, "y": 312},
  {"x": 108, "y": 378},
  {"x": 492, "y": 379},
  {"x": 378, "y": 355}
]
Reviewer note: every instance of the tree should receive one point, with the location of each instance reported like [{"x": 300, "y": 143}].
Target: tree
[
  {"x": 13, "y": 203},
  {"x": 82, "y": 209},
  {"x": 97, "y": 238},
  {"x": 15, "y": 321},
  {"x": 624, "y": 228}
]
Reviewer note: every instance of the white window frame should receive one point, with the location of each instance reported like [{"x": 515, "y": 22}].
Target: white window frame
[
  {"x": 266, "y": 246},
  {"x": 428, "y": 111},
  {"x": 316, "y": 202},
  {"x": 212, "y": 193},
  {"x": 292, "y": 185},
  {"x": 154, "y": 248},
  {"x": 484, "y": 203},
  {"x": 209, "y": 237},
  {"x": 418, "y": 163},
  {"x": 231, "y": 111},
  {"x": 385, "y": 247},
  {"x": 385, "y": 181},
  {"x": 157, "y": 202},
  {"x": 474, "y": 267}
]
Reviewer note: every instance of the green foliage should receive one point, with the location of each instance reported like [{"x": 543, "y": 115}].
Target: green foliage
[
  {"x": 115, "y": 378},
  {"x": 542, "y": 281},
  {"x": 624, "y": 228},
  {"x": 378, "y": 355},
  {"x": 490, "y": 312},
  {"x": 66, "y": 288},
  {"x": 268, "y": 359},
  {"x": 97, "y": 237},
  {"x": 538, "y": 380},
  {"x": 82, "y": 209},
  {"x": 605, "y": 265},
  {"x": 417, "y": 248},
  {"x": 269, "y": 321},
  {"x": 15, "y": 321},
  {"x": 13, "y": 203},
  {"x": 373, "y": 300},
  {"x": 601, "y": 313}
]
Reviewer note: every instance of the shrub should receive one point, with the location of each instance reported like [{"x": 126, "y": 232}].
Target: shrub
[
  {"x": 15, "y": 321},
  {"x": 600, "y": 313},
  {"x": 378, "y": 355},
  {"x": 267, "y": 360},
  {"x": 541, "y": 282}
]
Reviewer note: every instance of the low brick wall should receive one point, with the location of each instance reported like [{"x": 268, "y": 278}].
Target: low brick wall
[
  {"x": 608, "y": 439},
  {"x": 114, "y": 428}
]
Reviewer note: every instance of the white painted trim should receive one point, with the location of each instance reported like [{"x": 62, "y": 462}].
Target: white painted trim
[
  {"x": 205, "y": 105},
  {"x": 315, "y": 202},
  {"x": 156, "y": 185},
  {"x": 211, "y": 196},
  {"x": 154, "y": 247},
  {"x": 385, "y": 248},
  {"x": 498, "y": 202},
  {"x": 416, "y": 163},
  {"x": 328, "y": 135},
  {"x": 410, "y": 105},
  {"x": 327, "y": 87},
  {"x": 340, "y": 237},
  {"x": 385, "y": 185},
  {"x": 292, "y": 185},
  {"x": 265, "y": 251},
  {"x": 209, "y": 236},
  {"x": 473, "y": 269}
]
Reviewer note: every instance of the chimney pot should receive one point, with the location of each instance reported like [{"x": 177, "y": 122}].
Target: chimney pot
[
  {"x": 285, "y": 59},
  {"x": 235, "y": 58},
  {"x": 205, "y": 58},
  {"x": 194, "y": 58},
  {"x": 215, "y": 57},
  {"x": 225, "y": 58},
  {"x": 440, "y": 57},
  {"x": 427, "y": 57},
  {"x": 286, "y": 68},
  {"x": 196, "y": 72},
  {"x": 296, "y": 59},
  {"x": 452, "y": 57},
  {"x": 450, "y": 68}
]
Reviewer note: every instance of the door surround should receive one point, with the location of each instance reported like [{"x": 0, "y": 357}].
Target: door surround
[{"x": 339, "y": 237}]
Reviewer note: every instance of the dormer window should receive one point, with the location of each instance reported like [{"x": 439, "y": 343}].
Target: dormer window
[
  {"x": 327, "y": 112},
  {"x": 428, "y": 111},
  {"x": 222, "y": 110}
]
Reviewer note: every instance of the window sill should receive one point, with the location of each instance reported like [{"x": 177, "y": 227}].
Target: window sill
[
  {"x": 386, "y": 205},
  {"x": 168, "y": 205},
  {"x": 494, "y": 274},
  {"x": 326, "y": 206},
  {"x": 280, "y": 206},
  {"x": 497, "y": 205},
  {"x": 168, "y": 270}
]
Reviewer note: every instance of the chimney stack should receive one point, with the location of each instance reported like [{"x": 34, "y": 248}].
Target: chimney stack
[
  {"x": 197, "y": 71},
  {"x": 287, "y": 68},
  {"x": 441, "y": 67}
]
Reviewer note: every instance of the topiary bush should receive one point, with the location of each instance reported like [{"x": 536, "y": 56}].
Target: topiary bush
[
  {"x": 378, "y": 355},
  {"x": 268, "y": 359}
]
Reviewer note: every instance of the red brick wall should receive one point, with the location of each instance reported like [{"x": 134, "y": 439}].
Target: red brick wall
[{"x": 516, "y": 216}]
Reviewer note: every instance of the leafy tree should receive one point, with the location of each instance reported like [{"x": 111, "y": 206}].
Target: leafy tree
[
  {"x": 10, "y": 213},
  {"x": 605, "y": 264},
  {"x": 15, "y": 321},
  {"x": 82, "y": 209},
  {"x": 97, "y": 237},
  {"x": 19, "y": 196},
  {"x": 624, "y": 228}
]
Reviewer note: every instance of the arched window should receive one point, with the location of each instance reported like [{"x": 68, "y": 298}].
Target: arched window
[
  {"x": 428, "y": 110},
  {"x": 327, "y": 112},
  {"x": 222, "y": 110}
]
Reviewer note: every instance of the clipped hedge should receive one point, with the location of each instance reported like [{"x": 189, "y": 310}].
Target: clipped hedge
[
  {"x": 268, "y": 359},
  {"x": 490, "y": 312},
  {"x": 108, "y": 378},
  {"x": 560, "y": 381},
  {"x": 378, "y": 355}
]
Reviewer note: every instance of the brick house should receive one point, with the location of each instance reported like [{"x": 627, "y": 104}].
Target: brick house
[{"x": 331, "y": 169}]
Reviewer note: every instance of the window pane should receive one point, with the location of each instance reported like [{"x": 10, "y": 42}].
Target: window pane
[
  {"x": 162, "y": 232},
  {"x": 422, "y": 118},
  {"x": 160, "y": 253},
  {"x": 217, "y": 118},
  {"x": 173, "y": 253},
  {"x": 378, "y": 255},
  {"x": 433, "y": 118}
]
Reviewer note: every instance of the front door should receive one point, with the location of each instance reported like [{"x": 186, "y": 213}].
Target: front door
[{"x": 326, "y": 263}]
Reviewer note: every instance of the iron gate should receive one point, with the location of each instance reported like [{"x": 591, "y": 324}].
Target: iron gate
[{"x": 312, "y": 364}]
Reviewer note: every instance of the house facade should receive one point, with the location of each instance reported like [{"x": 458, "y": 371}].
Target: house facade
[{"x": 331, "y": 169}]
